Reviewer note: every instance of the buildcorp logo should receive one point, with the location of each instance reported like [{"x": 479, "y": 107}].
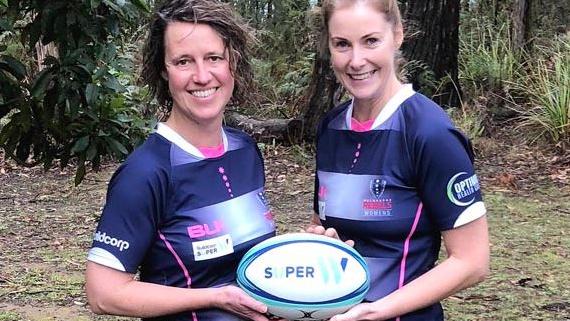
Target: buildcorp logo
[
  {"x": 104, "y": 238},
  {"x": 460, "y": 189}
]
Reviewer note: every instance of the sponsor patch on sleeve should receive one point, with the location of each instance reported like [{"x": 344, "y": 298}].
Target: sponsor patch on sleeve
[{"x": 461, "y": 189}]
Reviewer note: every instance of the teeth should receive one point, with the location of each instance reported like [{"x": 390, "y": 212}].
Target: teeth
[
  {"x": 203, "y": 93},
  {"x": 362, "y": 76}
]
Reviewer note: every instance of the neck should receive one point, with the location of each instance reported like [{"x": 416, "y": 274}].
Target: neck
[
  {"x": 199, "y": 134},
  {"x": 367, "y": 109}
]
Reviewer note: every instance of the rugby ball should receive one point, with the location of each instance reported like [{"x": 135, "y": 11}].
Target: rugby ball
[{"x": 303, "y": 276}]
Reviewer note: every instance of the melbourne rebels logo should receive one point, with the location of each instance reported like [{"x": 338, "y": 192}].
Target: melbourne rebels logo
[
  {"x": 379, "y": 204},
  {"x": 262, "y": 198},
  {"x": 377, "y": 187}
]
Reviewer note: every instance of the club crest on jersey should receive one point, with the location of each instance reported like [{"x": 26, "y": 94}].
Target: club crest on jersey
[
  {"x": 461, "y": 189},
  {"x": 262, "y": 198},
  {"x": 379, "y": 204},
  {"x": 377, "y": 187}
]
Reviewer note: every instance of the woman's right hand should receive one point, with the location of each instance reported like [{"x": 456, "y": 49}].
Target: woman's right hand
[{"x": 236, "y": 301}]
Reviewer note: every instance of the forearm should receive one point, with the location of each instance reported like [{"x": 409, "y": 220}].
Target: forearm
[
  {"x": 119, "y": 294},
  {"x": 140, "y": 299},
  {"x": 467, "y": 264},
  {"x": 447, "y": 278}
]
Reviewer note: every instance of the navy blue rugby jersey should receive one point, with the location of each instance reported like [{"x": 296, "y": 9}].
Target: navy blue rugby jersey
[
  {"x": 184, "y": 220},
  {"x": 394, "y": 188}
]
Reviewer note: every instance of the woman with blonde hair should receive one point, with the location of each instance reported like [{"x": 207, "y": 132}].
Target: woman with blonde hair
[{"x": 394, "y": 176}]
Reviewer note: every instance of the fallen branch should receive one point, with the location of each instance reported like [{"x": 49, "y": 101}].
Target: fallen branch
[{"x": 287, "y": 131}]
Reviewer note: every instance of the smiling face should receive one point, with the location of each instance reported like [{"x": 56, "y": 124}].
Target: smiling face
[
  {"x": 363, "y": 45},
  {"x": 198, "y": 73}
]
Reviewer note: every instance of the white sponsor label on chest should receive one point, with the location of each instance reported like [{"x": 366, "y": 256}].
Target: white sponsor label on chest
[{"x": 213, "y": 248}]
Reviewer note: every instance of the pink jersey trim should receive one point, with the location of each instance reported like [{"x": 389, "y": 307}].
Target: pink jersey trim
[
  {"x": 171, "y": 249},
  {"x": 186, "y": 274},
  {"x": 364, "y": 126},
  {"x": 407, "y": 248},
  {"x": 212, "y": 152}
]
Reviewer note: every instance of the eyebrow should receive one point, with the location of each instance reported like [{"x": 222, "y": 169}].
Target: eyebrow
[
  {"x": 368, "y": 35},
  {"x": 209, "y": 53}
]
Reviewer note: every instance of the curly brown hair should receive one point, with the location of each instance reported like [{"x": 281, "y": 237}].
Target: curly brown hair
[{"x": 235, "y": 33}]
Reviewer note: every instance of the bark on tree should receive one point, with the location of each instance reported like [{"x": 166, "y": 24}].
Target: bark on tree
[
  {"x": 435, "y": 25},
  {"x": 321, "y": 97},
  {"x": 520, "y": 21},
  {"x": 282, "y": 130}
]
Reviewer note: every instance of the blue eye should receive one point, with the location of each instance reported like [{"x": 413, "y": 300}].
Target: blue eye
[
  {"x": 372, "y": 42},
  {"x": 341, "y": 44}
]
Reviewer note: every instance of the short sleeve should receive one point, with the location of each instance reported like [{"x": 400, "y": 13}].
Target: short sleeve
[
  {"x": 136, "y": 199},
  {"x": 446, "y": 179}
]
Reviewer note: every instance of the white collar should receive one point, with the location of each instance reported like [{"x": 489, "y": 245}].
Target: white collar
[
  {"x": 163, "y": 130},
  {"x": 405, "y": 92}
]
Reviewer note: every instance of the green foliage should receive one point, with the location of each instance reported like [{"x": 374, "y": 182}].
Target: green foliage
[
  {"x": 285, "y": 54},
  {"x": 469, "y": 120},
  {"x": 548, "y": 88},
  {"x": 424, "y": 73},
  {"x": 75, "y": 105},
  {"x": 282, "y": 86},
  {"x": 487, "y": 60}
]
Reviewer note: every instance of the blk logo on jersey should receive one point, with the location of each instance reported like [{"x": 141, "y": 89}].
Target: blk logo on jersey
[
  {"x": 379, "y": 204},
  {"x": 201, "y": 230},
  {"x": 461, "y": 189}
]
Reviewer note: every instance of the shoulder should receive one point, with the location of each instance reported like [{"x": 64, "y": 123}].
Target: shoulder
[
  {"x": 337, "y": 111},
  {"x": 334, "y": 117},
  {"x": 426, "y": 120},
  {"x": 149, "y": 163}
]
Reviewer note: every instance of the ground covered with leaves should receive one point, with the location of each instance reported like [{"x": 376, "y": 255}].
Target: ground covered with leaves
[{"x": 46, "y": 227}]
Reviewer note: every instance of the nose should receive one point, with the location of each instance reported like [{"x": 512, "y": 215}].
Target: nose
[
  {"x": 201, "y": 74},
  {"x": 357, "y": 59}
]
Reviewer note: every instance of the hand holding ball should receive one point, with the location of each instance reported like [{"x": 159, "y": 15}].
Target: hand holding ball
[{"x": 304, "y": 276}]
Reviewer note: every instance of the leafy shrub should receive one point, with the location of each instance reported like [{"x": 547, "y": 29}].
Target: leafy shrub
[
  {"x": 78, "y": 105},
  {"x": 487, "y": 60},
  {"x": 547, "y": 85}
]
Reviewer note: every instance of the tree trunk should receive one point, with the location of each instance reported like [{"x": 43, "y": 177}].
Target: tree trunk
[
  {"x": 321, "y": 95},
  {"x": 435, "y": 25},
  {"x": 42, "y": 51},
  {"x": 520, "y": 23},
  {"x": 269, "y": 130}
]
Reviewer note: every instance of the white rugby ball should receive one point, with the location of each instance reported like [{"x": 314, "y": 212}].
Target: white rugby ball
[{"x": 302, "y": 276}]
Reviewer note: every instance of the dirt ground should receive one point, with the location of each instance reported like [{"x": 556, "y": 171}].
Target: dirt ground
[{"x": 46, "y": 225}]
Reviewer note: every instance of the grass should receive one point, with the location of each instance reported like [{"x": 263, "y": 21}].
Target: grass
[
  {"x": 530, "y": 269},
  {"x": 46, "y": 250},
  {"x": 10, "y": 316}
]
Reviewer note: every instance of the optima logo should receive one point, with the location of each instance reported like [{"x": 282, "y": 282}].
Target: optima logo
[
  {"x": 104, "y": 238},
  {"x": 458, "y": 190}
]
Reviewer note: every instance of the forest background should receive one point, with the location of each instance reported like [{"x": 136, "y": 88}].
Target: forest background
[{"x": 71, "y": 108}]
